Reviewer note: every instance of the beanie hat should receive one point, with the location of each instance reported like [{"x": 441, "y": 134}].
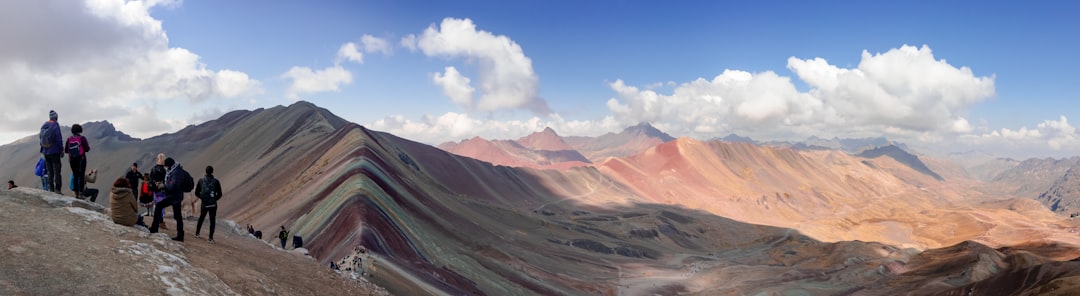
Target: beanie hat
[{"x": 52, "y": 115}]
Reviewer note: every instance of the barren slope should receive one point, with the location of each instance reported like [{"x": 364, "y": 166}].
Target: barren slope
[{"x": 61, "y": 246}]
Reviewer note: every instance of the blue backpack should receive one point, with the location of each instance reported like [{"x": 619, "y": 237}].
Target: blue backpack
[{"x": 45, "y": 136}]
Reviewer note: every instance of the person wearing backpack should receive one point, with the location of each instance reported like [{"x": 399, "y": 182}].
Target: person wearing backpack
[
  {"x": 76, "y": 147},
  {"x": 283, "y": 236},
  {"x": 52, "y": 147},
  {"x": 177, "y": 182},
  {"x": 209, "y": 191}
]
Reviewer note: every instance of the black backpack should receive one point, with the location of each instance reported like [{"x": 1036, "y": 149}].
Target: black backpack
[
  {"x": 189, "y": 183},
  {"x": 74, "y": 144},
  {"x": 208, "y": 191},
  {"x": 45, "y": 136}
]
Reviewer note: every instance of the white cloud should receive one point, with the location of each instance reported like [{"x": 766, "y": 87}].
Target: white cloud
[
  {"x": 903, "y": 92},
  {"x": 409, "y": 42},
  {"x": 506, "y": 78},
  {"x": 456, "y": 86},
  {"x": 306, "y": 81},
  {"x": 100, "y": 59},
  {"x": 1055, "y": 138},
  {"x": 453, "y": 126},
  {"x": 904, "y": 88},
  {"x": 350, "y": 52},
  {"x": 375, "y": 44}
]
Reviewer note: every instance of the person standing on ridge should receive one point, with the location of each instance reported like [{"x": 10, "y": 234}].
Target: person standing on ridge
[
  {"x": 283, "y": 236},
  {"x": 39, "y": 170},
  {"x": 209, "y": 191},
  {"x": 177, "y": 181},
  {"x": 146, "y": 198},
  {"x": 157, "y": 184},
  {"x": 52, "y": 147},
  {"x": 76, "y": 147},
  {"x": 134, "y": 176}
]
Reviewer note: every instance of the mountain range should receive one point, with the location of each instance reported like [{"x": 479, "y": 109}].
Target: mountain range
[{"x": 631, "y": 213}]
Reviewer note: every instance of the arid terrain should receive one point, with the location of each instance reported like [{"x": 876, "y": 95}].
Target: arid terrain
[
  {"x": 635, "y": 213},
  {"x": 56, "y": 245}
]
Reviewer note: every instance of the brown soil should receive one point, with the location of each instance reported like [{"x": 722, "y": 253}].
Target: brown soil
[{"x": 54, "y": 245}]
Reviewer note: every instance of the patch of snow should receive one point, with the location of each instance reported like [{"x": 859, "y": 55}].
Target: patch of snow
[
  {"x": 301, "y": 251},
  {"x": 233, "y": 227},
  {"x": 166, "y": 269},
  {"x": 88, "y": 215},
  {"x": 57, "y": 200}
]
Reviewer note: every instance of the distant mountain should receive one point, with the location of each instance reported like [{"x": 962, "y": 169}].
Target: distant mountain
[
  {"x": 546, "y": 139},
  {"x": 737, "y": 138},
  {"x": 981, "y": 165},
  {"x": 1033, "y": 177},
  {"x": 544, "y": 150},
  {"x": 630, "y": 141},
  {"x": 902, "y": 156},
  {"x": 514, "y": 154},
  {"x": 1063, "y": 197}
]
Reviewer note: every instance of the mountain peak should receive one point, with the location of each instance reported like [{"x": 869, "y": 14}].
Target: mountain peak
[
  {"x": 104, "y": 129},
  {"x": 646, "y": 129},
  {"x": 546, "y": 139}
]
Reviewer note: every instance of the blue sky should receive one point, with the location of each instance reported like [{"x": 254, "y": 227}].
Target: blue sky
[{"x": 990, "y": 76}]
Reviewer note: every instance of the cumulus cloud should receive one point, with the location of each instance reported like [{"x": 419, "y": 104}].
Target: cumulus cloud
[
  {"x": 902, "y": 92},
  {"x": 306, "y": 81},
  {"x": 506, "y": 78},
  {"x": 100, "y": 59},
  {"x": 350, "y": 52},
  {"x": 375, "y": 44},
  {"x": 1051, "y": 137},
  {"x": 453, "y": 126},
  {"x": 456, "y": 86}
]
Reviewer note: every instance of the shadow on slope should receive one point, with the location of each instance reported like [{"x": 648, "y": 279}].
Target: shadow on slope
[
  {"x": 901, "y": 156},
  {"x": 437, "y": 223}
]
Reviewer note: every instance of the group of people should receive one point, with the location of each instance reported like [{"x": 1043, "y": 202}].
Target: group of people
[
  {"x": 53, "y": 149},
  {"x": 164, "y": 185}
]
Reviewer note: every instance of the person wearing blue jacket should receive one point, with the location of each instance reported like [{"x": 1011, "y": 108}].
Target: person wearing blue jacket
[
  {"x": 39, "y": 170},
  {"x": 52, "y": 147}
]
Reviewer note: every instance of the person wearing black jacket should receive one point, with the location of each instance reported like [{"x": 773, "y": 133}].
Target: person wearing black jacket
[
  {"x": 209, "y": 191},
  {"x": 134, "y": 177},
  {"x": 176, "y": 181}
]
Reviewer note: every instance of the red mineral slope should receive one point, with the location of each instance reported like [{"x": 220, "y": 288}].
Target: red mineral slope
[
  {"x": 543, "y": 150},
  {"x": 828, "y": 195}
]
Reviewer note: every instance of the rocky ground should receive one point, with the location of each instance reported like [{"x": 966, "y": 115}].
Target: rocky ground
[{"x": 56, "y": 245}]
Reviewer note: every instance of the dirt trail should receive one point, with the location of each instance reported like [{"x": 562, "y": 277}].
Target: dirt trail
[{"x": 55, "y": 245}]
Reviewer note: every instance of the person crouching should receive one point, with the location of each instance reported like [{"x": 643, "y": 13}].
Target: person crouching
[{"x": 124, "y": 209}]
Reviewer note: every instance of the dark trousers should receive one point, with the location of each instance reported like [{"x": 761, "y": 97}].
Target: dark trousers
[
  {"x": 213, "y": 220},
  {"x": 78, "y": 170},
  {"x": 52, "y": 167},
  {"x": 176, "y": 205}
]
